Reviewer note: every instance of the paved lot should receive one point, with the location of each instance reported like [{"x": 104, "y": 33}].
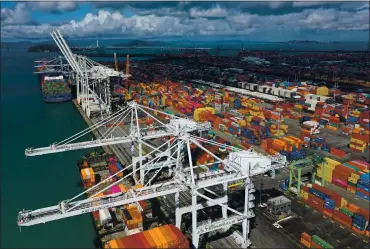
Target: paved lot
[{"x": 313, "y": 222}]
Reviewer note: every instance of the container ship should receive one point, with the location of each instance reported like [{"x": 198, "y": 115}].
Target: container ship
[{"x": 55, "y": 89}]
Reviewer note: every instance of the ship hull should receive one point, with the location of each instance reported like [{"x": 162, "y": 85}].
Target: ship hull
[{"x": 57, "y": 98}]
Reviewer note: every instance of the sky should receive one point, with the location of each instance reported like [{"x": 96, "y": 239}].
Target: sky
[{"x": 249, "y": 21}]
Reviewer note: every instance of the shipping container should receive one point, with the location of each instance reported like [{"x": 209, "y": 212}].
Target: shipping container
[{"x": 315, "y": 202}]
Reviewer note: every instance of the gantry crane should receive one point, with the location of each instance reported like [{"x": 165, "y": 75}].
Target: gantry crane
[
  {"x": 92, "y": 78},
  {"x": 298, "y": 165},
  {"x": 181, "y": 135}
]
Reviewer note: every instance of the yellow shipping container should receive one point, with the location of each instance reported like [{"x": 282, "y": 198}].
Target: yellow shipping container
[
  {"x": 353, "y": 191},
  {"x": 87, "y": 173},
  {"x": 354, "y": 140},
  {"x": 352, "y": 180},
  {"x": 305, "y": 195},
  {"x": 344, "y": 202},
  {"x": 330, "y": 161}
]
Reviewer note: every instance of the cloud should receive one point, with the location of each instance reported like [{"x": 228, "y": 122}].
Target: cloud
[
  {"x": 187, "y": 20},
  {"x": 210, "y": 13},
  {"x": 53, "y": 7},
  {"x": 18, "y": 15}
]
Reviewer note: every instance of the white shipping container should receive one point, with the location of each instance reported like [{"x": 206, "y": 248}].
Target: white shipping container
[
  {"x": 261, "y": 89},
  {"x": 268, "y": 90},
  {"x": 104, "y": 216}
]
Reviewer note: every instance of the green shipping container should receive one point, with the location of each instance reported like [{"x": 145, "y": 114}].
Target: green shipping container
[
  {"x": 351, "y": 167},
  {"x": 321, "y": 242},
  {"x": 346, "y": 211},
  {"x": 352, "y": 184}
]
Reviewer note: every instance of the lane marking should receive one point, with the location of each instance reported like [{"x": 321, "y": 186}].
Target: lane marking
[
  {"x": 341, "y": 227},
  {"x": 366, "y": 241},
  {"x": 354, "y": 234},
  {"x": 338, "y": 240}
]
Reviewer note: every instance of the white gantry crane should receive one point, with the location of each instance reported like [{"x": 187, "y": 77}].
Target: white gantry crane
[
  {"x": 181, "y": 136},
  {"x": 92, "y": 78}
]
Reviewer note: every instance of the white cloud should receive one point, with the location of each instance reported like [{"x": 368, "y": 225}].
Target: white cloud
[
  {"x": 53, "y": 7},
  {"x": 160, "y": 22},
  {"x": 275, "y": 4},
  {"x": 19, "y": 15},
  {"x": 213, "y": 12}
]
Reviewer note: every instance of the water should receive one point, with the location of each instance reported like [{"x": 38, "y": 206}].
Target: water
[{"x": 41, "y": 181}]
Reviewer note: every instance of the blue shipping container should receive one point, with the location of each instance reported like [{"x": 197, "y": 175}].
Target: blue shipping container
[
  {"x": 365, "y": 177},
  {"x": 329, "y": 203},
  {"x": 363, "y": 196},
  {"x": 317, "y": 193},
  {"x": 119, "y": 166},
  {"x": 360, "y": 227},
  {"x": 367, "y": 189},
  {"x": 366, "y": 184},
  {"x": 359, "y": 219}
]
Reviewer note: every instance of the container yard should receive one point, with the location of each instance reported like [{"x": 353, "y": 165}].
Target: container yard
[{"x": 183, "y": 162}]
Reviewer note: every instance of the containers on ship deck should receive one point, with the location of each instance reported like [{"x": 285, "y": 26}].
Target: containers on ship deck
[
  {"x": 167, "y": 236},
  {"x": 88, "y": 177}
]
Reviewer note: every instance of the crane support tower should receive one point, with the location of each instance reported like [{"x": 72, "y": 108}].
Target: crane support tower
[
  {"x": 179, "y": 135},
  {"x": 92, "y": 78}
]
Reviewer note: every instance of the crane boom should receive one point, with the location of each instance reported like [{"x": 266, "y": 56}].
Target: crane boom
[
  {"x": 90, "y": 144},
  {"x": 39, "y": 216}
]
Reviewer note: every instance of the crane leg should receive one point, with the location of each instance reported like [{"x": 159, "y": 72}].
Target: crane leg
[
  {"x": 195, "y": 235},
  {"x": 178, "y": 214},
  {"x": 224, "y": 210},
  {"x": 245, "y": 224}
]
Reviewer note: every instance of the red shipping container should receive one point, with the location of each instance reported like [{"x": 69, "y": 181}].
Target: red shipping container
[
  {"x": 305, "y": 188},
  {"x": 315, "y": 202},
  {"x": 143, "y": 240},
  {"x": 342, "y": 218},
  {"x": 321, "y": 189},
  {"x": 364, "y": 212},
  {"x": 338, "y": 152},
  {"x": 358, "y": 165},
  {"x": 344, "y": 169},
  {"x": 363, "y": 191},
  {"x": 364, "y": 138},
  {"x": 336, "y": 198},
  {"x": 339, "y": 175},
  {"x": 96, "y": 215}
]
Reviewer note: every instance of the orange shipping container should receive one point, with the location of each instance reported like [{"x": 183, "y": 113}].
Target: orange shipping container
[
  {"x": 305, "y": 243},
  {"x": 170, "y": 236},
  {"x": 306, "y": 236},
  {"x": 153, "y": 235},
  {"x": 355, "y": 229},
  {"x": 353, "y": 208},
  {"x": 158, "y": 231},
  {"x": 149, "y": 239},
  {"x": 143, "y": 240}
]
